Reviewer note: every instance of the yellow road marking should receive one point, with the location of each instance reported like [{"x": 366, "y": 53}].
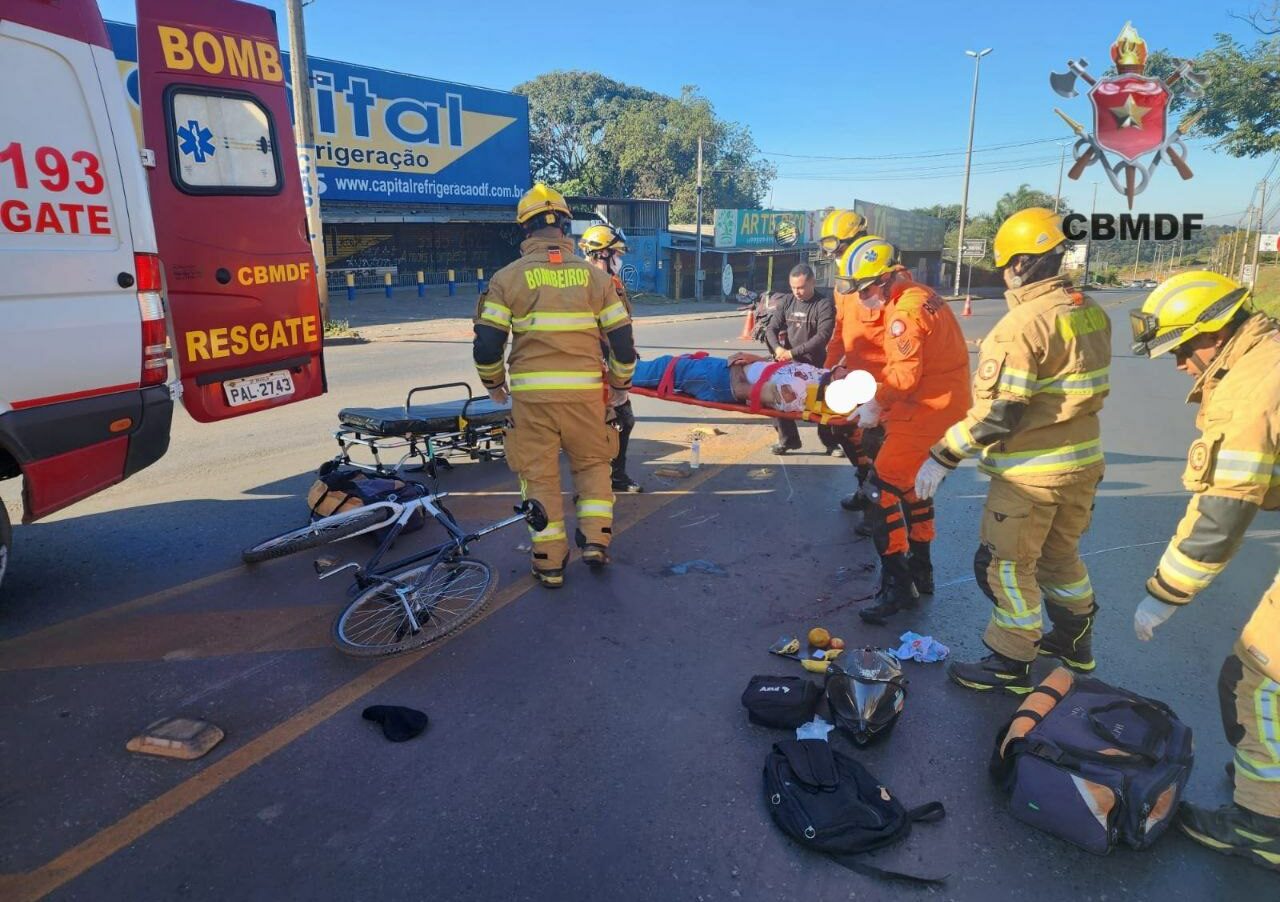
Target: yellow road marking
[{"x": 129, "y": 829}]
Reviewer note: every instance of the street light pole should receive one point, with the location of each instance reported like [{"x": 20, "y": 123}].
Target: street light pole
[
  {"x": 968, "y": 159},
  {"x": 697, "y": 253},
  {"x": 305, "y": 140}
]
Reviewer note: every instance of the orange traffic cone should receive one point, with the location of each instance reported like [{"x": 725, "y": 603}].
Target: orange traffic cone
[
  {"x": 968, "y": 306},
  {"x": 749, "y": 326}
]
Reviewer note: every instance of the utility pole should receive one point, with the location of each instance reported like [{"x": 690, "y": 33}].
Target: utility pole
[
  {"x": 697, "y": 253},
  {"x": 304, "y": 130},
  {"x": 1057, "y": 198},
  {"x": 968, "y": 160},
  {"x": 1262, "y": 205},
  {"x": 1136, "y": 257},
  {"x": 1088, "y": 244},
  {"x": 1232, "y": 270}
]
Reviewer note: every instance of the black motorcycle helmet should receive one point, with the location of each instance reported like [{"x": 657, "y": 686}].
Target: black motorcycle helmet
[{"x": 866, "y": 691}]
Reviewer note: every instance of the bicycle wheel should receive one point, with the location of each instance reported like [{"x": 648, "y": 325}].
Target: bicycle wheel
[
  {"x": 321, "y": 532},
  {"x": 450, "y": 596}
]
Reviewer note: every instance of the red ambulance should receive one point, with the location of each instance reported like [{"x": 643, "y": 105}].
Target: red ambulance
[{"x": 119, "y": 259}]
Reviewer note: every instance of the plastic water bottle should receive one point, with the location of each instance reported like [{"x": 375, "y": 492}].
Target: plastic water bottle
[{"x": 695, "y": 455}]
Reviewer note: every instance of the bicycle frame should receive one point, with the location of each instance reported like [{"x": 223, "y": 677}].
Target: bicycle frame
[{"x": 374, "y": 571}]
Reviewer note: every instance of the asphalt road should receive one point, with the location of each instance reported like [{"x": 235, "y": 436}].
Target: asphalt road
[{"x": 583, "y": 744}]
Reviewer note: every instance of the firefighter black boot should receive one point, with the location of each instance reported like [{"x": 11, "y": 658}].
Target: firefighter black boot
[
  {"x": 1071, "y": 640},
  {"x": 995, "y": 671},
  {"x": 1233, "y": 830},
  {"x": 922, "y": 568},
  {"x": 897, "y": 591}
]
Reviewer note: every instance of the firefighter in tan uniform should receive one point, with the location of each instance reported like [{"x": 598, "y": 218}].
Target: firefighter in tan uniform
[
  {"x": 555, "y": 305},
  {"x": 1042, "y": 376},
  {"x": 1234, "y": 469},
  {"x": 604, "y": 247}
]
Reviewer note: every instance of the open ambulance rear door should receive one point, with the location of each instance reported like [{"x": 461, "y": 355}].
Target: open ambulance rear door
[{"x": 226, "y": 196}]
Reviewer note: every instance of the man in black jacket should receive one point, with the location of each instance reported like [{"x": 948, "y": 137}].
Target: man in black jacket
[{"x": 807, "y": 318}]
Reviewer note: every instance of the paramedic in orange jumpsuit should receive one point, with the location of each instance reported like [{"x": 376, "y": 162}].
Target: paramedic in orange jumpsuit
[{"x": 922, "y": 390}]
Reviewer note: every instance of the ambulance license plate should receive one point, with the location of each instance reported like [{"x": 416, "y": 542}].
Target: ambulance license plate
[{"x": 258, "y": 388}]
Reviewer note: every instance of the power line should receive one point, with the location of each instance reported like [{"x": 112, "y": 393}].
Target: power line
[{"x": 915, "y": 156}]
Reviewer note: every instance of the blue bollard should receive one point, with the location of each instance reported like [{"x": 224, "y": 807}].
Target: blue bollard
[
  {"x": 479, "y": 281},
  {"x": 453, "y": 284},
  {"x": 422, "y": 285},
  {"x": 351, "y": 286},
  {"x": 386, "y": 278}
]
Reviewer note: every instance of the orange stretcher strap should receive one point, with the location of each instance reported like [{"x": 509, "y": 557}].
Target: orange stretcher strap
[{"x": 666, "y": 392}]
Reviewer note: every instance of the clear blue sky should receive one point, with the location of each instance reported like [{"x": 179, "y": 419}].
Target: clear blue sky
[{"x": 852, "y": 79}]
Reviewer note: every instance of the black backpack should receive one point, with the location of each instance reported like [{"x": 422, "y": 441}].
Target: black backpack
[{"x": 829, "y": 802}]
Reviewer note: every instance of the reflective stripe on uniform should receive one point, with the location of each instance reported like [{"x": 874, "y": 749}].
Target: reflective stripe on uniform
[
  {"x": 1081, "y": 588},
  {"x": 1025, "y": 384},
  {"x": 612, "y": 315},
  {"x": 545, "y": 321},
  {"x": 1246, "y": 466},
  {"x": 489, "y": 370},
  {"x": 1022, "y": 617},
  {"x": 556, "y": 380},
  {"x": 959, "y": 441},
  {"x": 497, "y": 314},
  {"x": 1092, "y": 383},
  {"x": 553, "y": 532},
  {"x": 622, "y": 370},
  {"x": 1266, "y": 705},
  {"x": 1017, "y": 382},
  {"x": 595, "y": 507},
  {"x": 1045, "y": 461},
  {"x": 1186, "y": 573}
]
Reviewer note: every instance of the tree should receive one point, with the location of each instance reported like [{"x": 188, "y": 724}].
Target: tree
[
  {"x": 567, "y": 115},
  {"x": 948, "y": 213},
  {"x": 651, "y": 150},
  {"x": 1025, "y": 196},
  {"x": 1241, "y": 101},
  {"x": 592, "y": 135}
]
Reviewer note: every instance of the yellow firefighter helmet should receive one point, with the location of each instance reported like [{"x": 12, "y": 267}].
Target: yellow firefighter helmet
[
  {"x": 600, "y": 238},
  {"x": 1035, "y": 230},
  {"x": 840, "y": 226},
  {"x": 541, "y": 201},
  {"x": 1182, "y": 307},
  {"x": 865, "y": 261}
]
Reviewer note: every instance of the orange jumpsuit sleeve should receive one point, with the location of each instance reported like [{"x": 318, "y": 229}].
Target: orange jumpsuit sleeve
[
  {"x": 904, "y": 337},
  {"x": 835, "y": 347}
]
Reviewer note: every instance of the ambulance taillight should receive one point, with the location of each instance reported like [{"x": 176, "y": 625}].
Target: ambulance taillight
[{"x": 155, "y": 363}]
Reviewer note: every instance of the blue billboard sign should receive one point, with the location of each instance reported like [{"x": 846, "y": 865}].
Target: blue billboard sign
[{"x": 388, "y": 137}]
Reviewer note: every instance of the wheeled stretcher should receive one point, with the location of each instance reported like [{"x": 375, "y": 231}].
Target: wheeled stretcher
[
  {"x": 813, "y": 412},
  {"x": 390, "y": 441}
]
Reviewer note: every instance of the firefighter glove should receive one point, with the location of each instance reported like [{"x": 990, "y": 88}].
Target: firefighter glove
[
  {"x": 929, "y": 478},
  {"x": 869, "y": 414},
  {"x": 1151, "y": 613}
]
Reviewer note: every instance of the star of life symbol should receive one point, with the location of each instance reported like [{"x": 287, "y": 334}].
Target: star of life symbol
[
  {"x": 197, "y": 141},
  {"x": 1130, "y": 116}
]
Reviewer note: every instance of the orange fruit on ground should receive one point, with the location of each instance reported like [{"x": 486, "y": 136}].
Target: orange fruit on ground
[
  {"x": 819, "y": 638},
  {"x": 837, "y": 642}
]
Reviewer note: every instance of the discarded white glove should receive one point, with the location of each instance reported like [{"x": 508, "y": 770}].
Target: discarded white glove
[
  {"x": 869, "y": 414},
  {"x": 499, "y": 395},
  {"x": 929, "y": 477},
  {"x": 618, "y": 396},
  {"x": 1151, "y": 613}
]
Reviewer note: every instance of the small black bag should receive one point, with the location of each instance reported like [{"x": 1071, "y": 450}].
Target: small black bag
[
  {"x": 829, "y": 802},
  {"x": 784, "y": 702}
]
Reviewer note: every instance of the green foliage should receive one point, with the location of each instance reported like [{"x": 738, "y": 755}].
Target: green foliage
[
  {"x": 1025, "y": 196},
  {"x": 948, "y": 213},
  {"x": 1242, "y": 98},
  {"x": 593, "y": 135}
]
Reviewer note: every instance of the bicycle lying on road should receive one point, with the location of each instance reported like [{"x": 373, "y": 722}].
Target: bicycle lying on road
[{"x": 410, "y": 602}]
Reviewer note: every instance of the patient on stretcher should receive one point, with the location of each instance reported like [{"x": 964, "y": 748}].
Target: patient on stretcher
[{"x": 730, "y": 381}]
